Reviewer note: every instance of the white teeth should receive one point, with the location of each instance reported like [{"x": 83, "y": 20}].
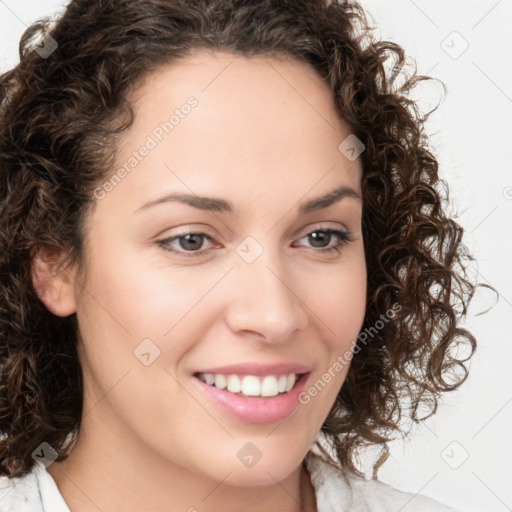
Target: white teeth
[
  {"x": 220, "y": 381},
  {"x": 234, "y": 384},
  {"x": 290, "y": 382},
  {"x": 251, "y": 385},
  {"x": 281, "y": 383},
  {"x": 269, "y": 386}
]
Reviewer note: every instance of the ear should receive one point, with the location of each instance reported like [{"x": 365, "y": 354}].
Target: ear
[{"x": 54, "y": 287}]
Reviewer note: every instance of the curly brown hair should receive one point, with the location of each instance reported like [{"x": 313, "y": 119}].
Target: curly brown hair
[{"x": 60, "y": 117}]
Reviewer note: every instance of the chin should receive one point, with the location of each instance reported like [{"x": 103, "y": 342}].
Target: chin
[{"x": 274, "y": 466}]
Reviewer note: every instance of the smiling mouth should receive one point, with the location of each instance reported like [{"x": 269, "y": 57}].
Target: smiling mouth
[{"x": 251, "y": 385}]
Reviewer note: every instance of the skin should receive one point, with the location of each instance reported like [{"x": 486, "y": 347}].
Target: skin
[{"x": 264, "y": 136}]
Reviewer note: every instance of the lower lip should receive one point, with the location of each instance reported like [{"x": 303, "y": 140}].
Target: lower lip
[{"x": 255, "y": 409}]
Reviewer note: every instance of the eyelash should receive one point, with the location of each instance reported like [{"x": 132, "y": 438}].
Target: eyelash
[{"x": 343, "y": 237}]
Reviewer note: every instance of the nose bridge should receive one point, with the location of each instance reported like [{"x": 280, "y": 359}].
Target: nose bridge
[{"x": 264, "y": 300}]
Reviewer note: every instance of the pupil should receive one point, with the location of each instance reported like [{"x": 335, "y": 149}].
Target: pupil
[
  {"x": 321, "y": 236},
  {"x": 190, "y": 244}
]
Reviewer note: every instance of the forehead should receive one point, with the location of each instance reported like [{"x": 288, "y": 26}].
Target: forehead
[
  {"x": 204, "y": 67},
  {"x": 257, "y": 125},
  {"x": 249, "y": 93}
]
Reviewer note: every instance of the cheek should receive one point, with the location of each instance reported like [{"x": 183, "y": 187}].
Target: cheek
[
  {"x": 145, "y": 295},
  {"x": 125, "y": 304},
  {"x": 338, "y": 300},
  {"x": 135, "y": 302}
]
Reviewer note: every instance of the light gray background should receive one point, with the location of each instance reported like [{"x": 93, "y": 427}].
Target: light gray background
[{"x": 472, "y": 136}]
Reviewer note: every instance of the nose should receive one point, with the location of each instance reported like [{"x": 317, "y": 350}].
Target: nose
[{"x": 264, "y": 298}]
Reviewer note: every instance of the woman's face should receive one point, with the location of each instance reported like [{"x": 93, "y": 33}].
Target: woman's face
[{"x": 253, "y": 287}]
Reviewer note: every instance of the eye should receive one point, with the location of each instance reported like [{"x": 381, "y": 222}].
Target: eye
[
  {"x": 323, "y": 236},
  {"x": 190, "y": 244}
]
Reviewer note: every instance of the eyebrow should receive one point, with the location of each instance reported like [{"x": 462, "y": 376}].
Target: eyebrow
[{"x": 212, "y": 204}]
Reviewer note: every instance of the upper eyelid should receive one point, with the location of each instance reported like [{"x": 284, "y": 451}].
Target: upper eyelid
[
  {"x": 318, "y": 227},
  {"x": 322, "y": 227}
]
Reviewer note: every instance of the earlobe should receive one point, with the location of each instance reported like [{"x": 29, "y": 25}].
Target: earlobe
[{"x": 54, "y": 287}]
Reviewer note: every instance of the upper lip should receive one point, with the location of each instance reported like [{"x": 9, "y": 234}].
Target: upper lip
[{"x": 258, "y": 369}]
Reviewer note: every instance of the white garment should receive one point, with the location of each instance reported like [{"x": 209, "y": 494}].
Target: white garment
[{"x": 335, "y": 490}]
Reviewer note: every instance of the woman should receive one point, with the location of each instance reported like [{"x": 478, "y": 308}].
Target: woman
[{"x": 319, "y": 305}]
